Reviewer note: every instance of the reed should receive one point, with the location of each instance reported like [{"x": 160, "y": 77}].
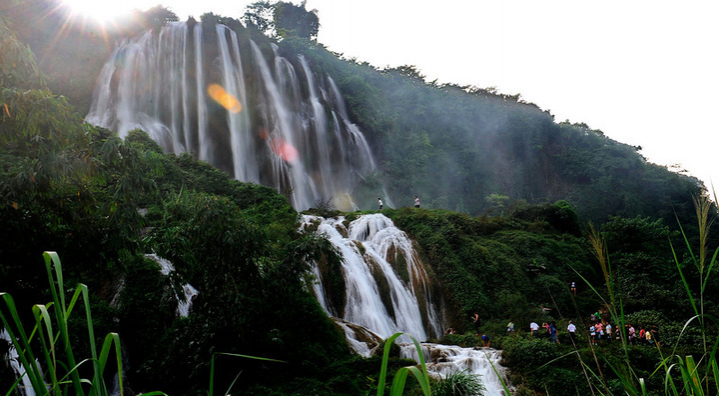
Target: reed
[
  {"x": 683, "y": 375},
  {"x": 400, "y": 378},
  {"x": 47, "y": 354}
]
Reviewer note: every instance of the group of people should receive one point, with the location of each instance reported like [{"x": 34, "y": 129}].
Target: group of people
[
  {"x": 647, "y": 336},
  {"x": 598, "y": 332},
  {"x": 550, "y": 329},
  {"x": 381, "y": 204}
]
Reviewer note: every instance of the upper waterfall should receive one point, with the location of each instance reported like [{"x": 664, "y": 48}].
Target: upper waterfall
[{"x": 239, "y": 106}]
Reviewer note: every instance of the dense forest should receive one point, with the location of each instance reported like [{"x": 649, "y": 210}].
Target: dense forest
[{"x": 508, "y": 195}]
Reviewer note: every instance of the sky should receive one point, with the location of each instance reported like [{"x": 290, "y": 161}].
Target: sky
[{"x": 645, "y": 73}]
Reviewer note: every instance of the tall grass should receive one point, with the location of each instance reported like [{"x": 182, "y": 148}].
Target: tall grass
[
  {"x": 400, "y": 378},
  {"x": 683, "y": 375},
  {"x": 47, "y": 354}
]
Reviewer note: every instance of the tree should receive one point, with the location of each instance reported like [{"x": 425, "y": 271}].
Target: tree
[
  {"x": 292, "y": 20},
  {"x": 17, "y": 62},
  {"x": 259, "y": 15}
]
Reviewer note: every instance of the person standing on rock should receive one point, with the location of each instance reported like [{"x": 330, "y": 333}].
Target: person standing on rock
[
  {"x": 379, "y": 202},
  {"x": 416, "y": 202}
]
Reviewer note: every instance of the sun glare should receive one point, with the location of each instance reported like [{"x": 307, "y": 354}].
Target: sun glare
[{"x": 101, "y": 11}]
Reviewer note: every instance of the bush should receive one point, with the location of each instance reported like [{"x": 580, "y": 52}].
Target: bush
[{"x": 462, "y": 383}]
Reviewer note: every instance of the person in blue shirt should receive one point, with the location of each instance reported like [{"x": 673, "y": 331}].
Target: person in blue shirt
[
  {"x": 486, "y": 342},
  {"x": 553, "y": 331}
]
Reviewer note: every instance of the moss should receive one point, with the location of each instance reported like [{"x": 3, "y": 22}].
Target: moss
[
  {"x": 361, "y": 247},
  {"x": 334, "y": 285},
  {"x": 383, "y": 288},
  {"x": 312, "y": 226},
  {"x": 399, "y": 263},
  {"x": 342, "y": 229}
]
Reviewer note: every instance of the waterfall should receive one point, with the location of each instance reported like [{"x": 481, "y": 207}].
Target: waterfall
[
  {"x": 240, "y": 106},
  {"x": 387, "y": 287},
  {"x": 443, "y": 360},
  {"x": 185, "y": 303},
  {"x": 25, "y": 385}
]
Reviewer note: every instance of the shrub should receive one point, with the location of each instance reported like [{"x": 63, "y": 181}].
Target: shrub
[{"x": 461, "y": 383}]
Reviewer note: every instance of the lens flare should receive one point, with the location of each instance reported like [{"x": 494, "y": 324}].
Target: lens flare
[
  {"x": 343, "y": 201},
  {"x": 224, "y": 98},
  {"x": 283, "y": 149}
]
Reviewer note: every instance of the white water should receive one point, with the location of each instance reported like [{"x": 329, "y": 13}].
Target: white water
[
  {"x": 25, "y": 385},
  {"x": 183, "y": 304},
  {"x": 443, "y": 360},
  {"x": 159, "y": 83},
  {"x": 410, "y": 306},
  {"x": 369, "y": 245}
]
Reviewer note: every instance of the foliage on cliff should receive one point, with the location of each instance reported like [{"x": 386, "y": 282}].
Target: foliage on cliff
[{"x": 104, "y": 203}]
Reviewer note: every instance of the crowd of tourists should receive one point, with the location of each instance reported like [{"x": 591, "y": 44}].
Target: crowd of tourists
[{"x": 599, "y": 332}]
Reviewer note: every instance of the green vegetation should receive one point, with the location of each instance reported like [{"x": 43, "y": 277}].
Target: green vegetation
[
  {"x": 465, "y": 148},
  {"x": 103, "y": 203},
  {"x": 52, "y": 331},
  {"x": 459, "y": 384}
]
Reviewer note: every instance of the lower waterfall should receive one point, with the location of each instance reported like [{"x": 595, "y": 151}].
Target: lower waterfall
[
  {"x": 388, "y": 290},
  {"x": 387, "y": 287},
  {"x": 444, "y": 360}
]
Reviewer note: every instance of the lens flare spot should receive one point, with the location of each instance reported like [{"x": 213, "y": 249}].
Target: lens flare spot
[
  {"x": 343, "y": 201},
  {"x": 283, "y": 149},
  {"x": 224, "y": 98}
]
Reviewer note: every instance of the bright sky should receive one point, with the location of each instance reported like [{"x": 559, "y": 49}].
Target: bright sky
[{"x": 646, "y": 73}]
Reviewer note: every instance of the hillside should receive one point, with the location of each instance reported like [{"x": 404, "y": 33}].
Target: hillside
[
  {"x": 468, "y": 149},
  {"x": 506, "y": 196}
]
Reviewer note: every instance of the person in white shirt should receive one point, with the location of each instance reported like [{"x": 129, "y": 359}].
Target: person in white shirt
[
  {"x": 534, "y": 328},
  {"x": 571, "y": 329}
]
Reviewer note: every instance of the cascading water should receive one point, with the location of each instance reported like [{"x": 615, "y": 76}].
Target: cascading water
[
  {"x": 252, "y": 113},
  {"x": 25, "y": 387},
  {"x": 443, "y": 360},
  {"x": 387, "y": 288},
  {"x": 183, "y": 304}
]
